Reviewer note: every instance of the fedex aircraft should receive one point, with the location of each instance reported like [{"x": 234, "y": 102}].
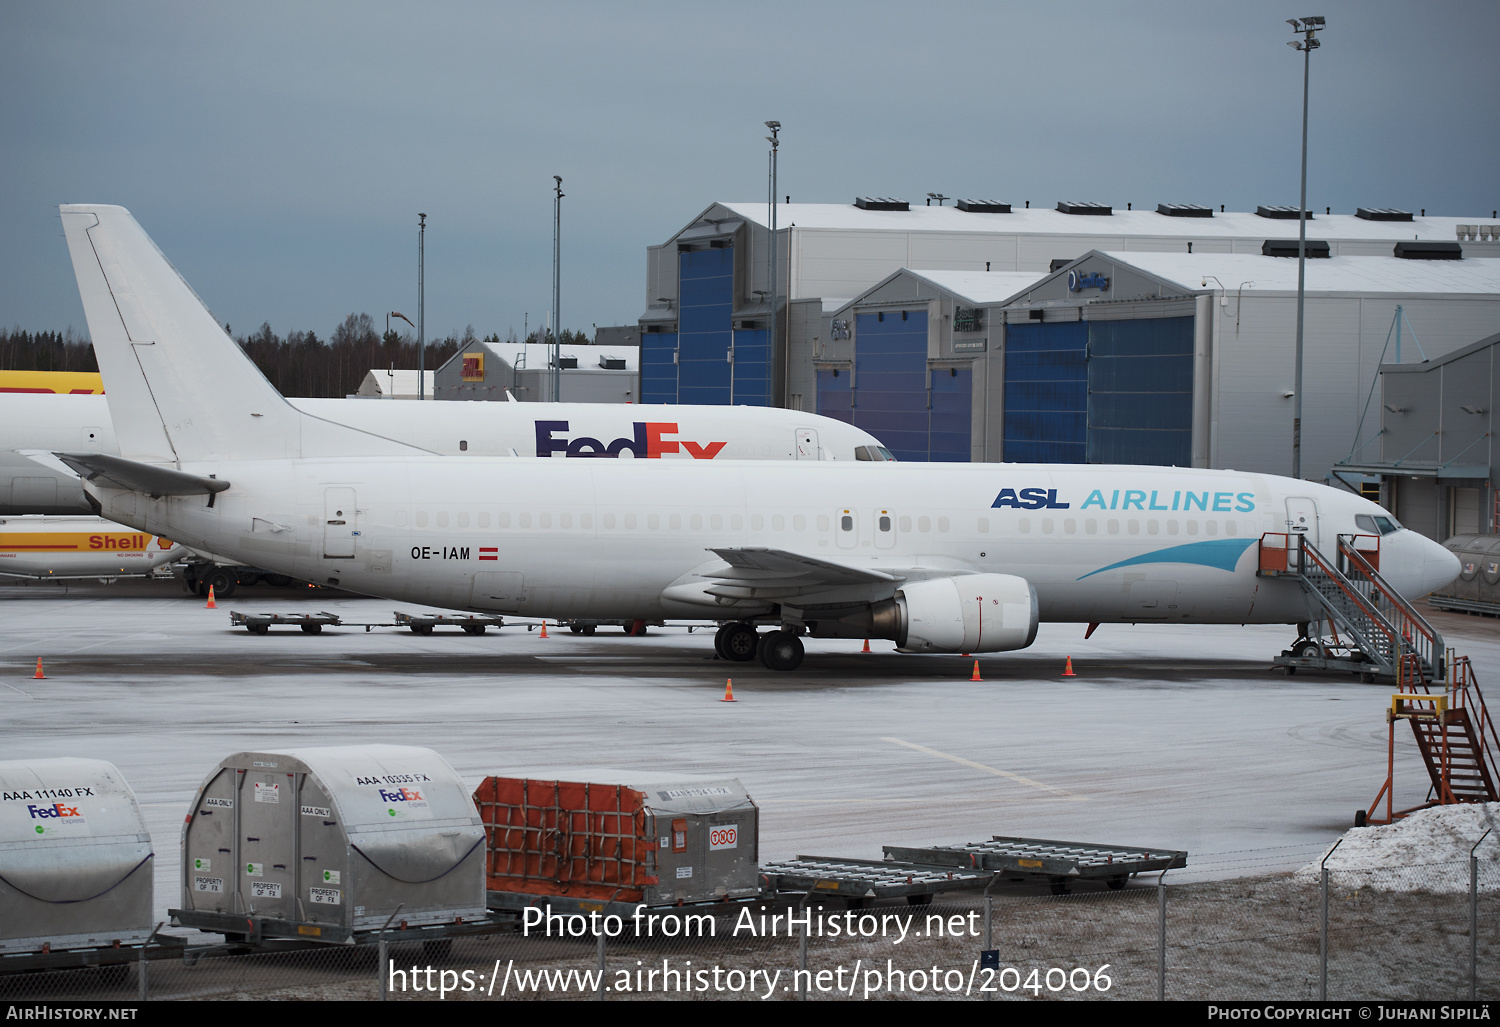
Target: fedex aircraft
[
  {"x": 938, "y": 557},
  {"x": 81, "y": 423}
]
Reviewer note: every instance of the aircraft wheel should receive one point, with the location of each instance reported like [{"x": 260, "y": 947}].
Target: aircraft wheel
[
  {"x": 719, "y": 650},
  {"x": 781, "y": 650},
  {"x": 279, "y": 580},
  {"x": 740, "y": 641},
  {"x": 312, "y": 629},
  {"x": 222, "y": 580}
]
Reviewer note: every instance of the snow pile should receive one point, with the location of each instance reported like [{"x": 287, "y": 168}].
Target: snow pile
[{"x": 1439, "y": 835}]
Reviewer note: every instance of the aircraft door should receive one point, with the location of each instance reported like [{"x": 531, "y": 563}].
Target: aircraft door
[
  {"x": 807, "y": 445},
  {"x": 1302, "y": 519},
  {"x": 340, "y": 523},
  {"x": 885, "y": 529}
]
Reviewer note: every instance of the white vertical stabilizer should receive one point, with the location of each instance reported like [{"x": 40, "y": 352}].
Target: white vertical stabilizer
[{"x": 179, "y": 388}]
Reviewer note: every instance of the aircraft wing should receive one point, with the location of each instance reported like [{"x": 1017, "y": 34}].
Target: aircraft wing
[{"x": 753, "y": 572}]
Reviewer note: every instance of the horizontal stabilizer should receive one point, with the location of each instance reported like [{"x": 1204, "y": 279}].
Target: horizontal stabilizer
[{"x": 133, "y": 476}]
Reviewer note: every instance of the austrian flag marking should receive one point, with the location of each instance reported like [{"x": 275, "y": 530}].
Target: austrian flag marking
[{"x": 489, "y": 552}]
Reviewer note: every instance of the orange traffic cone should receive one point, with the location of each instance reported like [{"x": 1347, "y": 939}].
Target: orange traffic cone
[
  {"x": 728, "y": 690},
  {"x": 975, "y": 676},
  {"x": 38, "y": 676},
  {"x": 1068, "y": 669},
  {"x": 867, "y": 646},
  {"x": 211, "y": 604},
  {"x": 544, "y": 629}
]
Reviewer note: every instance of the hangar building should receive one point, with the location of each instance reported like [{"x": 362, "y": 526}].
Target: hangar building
[
  {"x": 1139, "y": 357},
  {"x": 704, "y": 330}
]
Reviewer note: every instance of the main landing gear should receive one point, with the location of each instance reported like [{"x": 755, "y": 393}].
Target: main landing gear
[{"x": 778, "y": 650}]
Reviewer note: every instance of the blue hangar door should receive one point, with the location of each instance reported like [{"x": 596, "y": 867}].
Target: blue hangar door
[
  {"x": 917, "y": 412},
  {"x": 1046, "y": 392}
]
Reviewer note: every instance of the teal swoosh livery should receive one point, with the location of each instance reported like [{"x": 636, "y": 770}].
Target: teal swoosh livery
[{"x": 1222, "y": 553}]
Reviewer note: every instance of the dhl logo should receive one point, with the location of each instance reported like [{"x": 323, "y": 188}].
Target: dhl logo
[
  {"x": 53, "y": 382},
  {"x": 78, "y": 542}
]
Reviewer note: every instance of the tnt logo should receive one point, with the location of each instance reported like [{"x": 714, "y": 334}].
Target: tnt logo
[
  {"x": 401, "y": 795},
  {"x": 57, "y": 809},
  {"x": 648, "y": 442}
]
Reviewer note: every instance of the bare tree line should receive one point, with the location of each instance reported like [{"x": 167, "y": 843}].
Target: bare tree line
[{"x": 298, "y": 363}]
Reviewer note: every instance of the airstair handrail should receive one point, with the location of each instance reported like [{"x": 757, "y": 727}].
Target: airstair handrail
[{"x": 1357, "y": 559}]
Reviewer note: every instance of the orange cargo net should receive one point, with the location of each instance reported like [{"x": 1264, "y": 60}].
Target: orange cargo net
[{"x": 589, "y": 841}]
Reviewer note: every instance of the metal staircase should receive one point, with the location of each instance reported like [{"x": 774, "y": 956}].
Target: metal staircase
[
  {"x": 1455, "y": 736},
  {"x": 1371, "y": 626}
]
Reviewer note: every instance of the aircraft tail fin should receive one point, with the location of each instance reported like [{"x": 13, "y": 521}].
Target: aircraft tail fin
[{"x": 179, "y": 388}]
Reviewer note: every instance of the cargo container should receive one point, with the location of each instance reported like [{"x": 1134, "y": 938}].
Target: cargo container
[
  {"x": 75, "y": 857},
  {"x": 326, "y": 843},
  {"x": 1477, "y": 587},
  {"x": 637, "y": 842}
]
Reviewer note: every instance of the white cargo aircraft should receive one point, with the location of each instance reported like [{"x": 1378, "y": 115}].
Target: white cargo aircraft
[
  {"x": 938, "y": 557},
  {"x": 83, "y": 424}
]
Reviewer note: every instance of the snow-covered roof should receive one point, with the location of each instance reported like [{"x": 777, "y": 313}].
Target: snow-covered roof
[
  {"x": 1125, "y": 223},
  {"x": 538, "y": 354},
  {"x": 385, "y": 383},
  {"x": 1256, "y": 273}
]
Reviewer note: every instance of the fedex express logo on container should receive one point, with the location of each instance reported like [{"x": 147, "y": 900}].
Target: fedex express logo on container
[
  {"x": 57, "y": 809},
  {"x": 648, "y": 442},
  {"x": 401, "y": 795}
]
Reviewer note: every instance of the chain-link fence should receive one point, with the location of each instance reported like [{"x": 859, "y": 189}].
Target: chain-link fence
[{"x": 1414, "y": 932}]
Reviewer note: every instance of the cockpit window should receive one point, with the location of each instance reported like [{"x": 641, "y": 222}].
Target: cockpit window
[
  {"x": 1382, "y": 525},
  {"x": 873, "y": 453}
]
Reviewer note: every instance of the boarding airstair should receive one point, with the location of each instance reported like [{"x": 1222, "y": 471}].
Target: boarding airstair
[
  {"x": 1455, "y": 735},
  {"x": 1370, "y": 627}
]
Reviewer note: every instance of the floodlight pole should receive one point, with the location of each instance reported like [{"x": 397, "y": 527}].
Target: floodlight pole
[
  {"x": 421, "y": 306},
  {"x": 557, "y": 289},
  {"x": 1308, "y": 27},
  {"x": 775, "y": 127}
]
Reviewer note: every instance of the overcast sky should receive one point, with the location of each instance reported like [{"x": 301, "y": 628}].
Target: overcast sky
[{"x": 278, "y": 153}]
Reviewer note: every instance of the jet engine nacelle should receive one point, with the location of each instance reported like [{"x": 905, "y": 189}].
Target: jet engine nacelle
[{"x": 971, "y": 613}]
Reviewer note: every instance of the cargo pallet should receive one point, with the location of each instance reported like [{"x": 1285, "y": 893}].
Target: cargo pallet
[
  {"x": 313, "y": 623},
  {"x": 860, "y": 881},
  {"x": 1060, "y": 863}
]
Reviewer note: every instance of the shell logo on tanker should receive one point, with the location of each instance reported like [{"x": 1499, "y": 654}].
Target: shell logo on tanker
[{"x": 71, "y": 542}]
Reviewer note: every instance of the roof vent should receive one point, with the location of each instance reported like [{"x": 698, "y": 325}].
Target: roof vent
[
  {"x": 1184, "y": 210},
  {"x": 1058, "y": 263},
  {"x": 1280, "y": 213},
  {"x": 567, "y": 363},
  {"x": 1429, "y": 250},
  {"x": 1288, "y": 248},
  {"x": 612, "y": 363},
  {"x": 984, "y": 206},
  {"x": 880, "y": 203},
  {"x": 1382, "y": 214},
  {"x": 1084, "y": 208}
]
